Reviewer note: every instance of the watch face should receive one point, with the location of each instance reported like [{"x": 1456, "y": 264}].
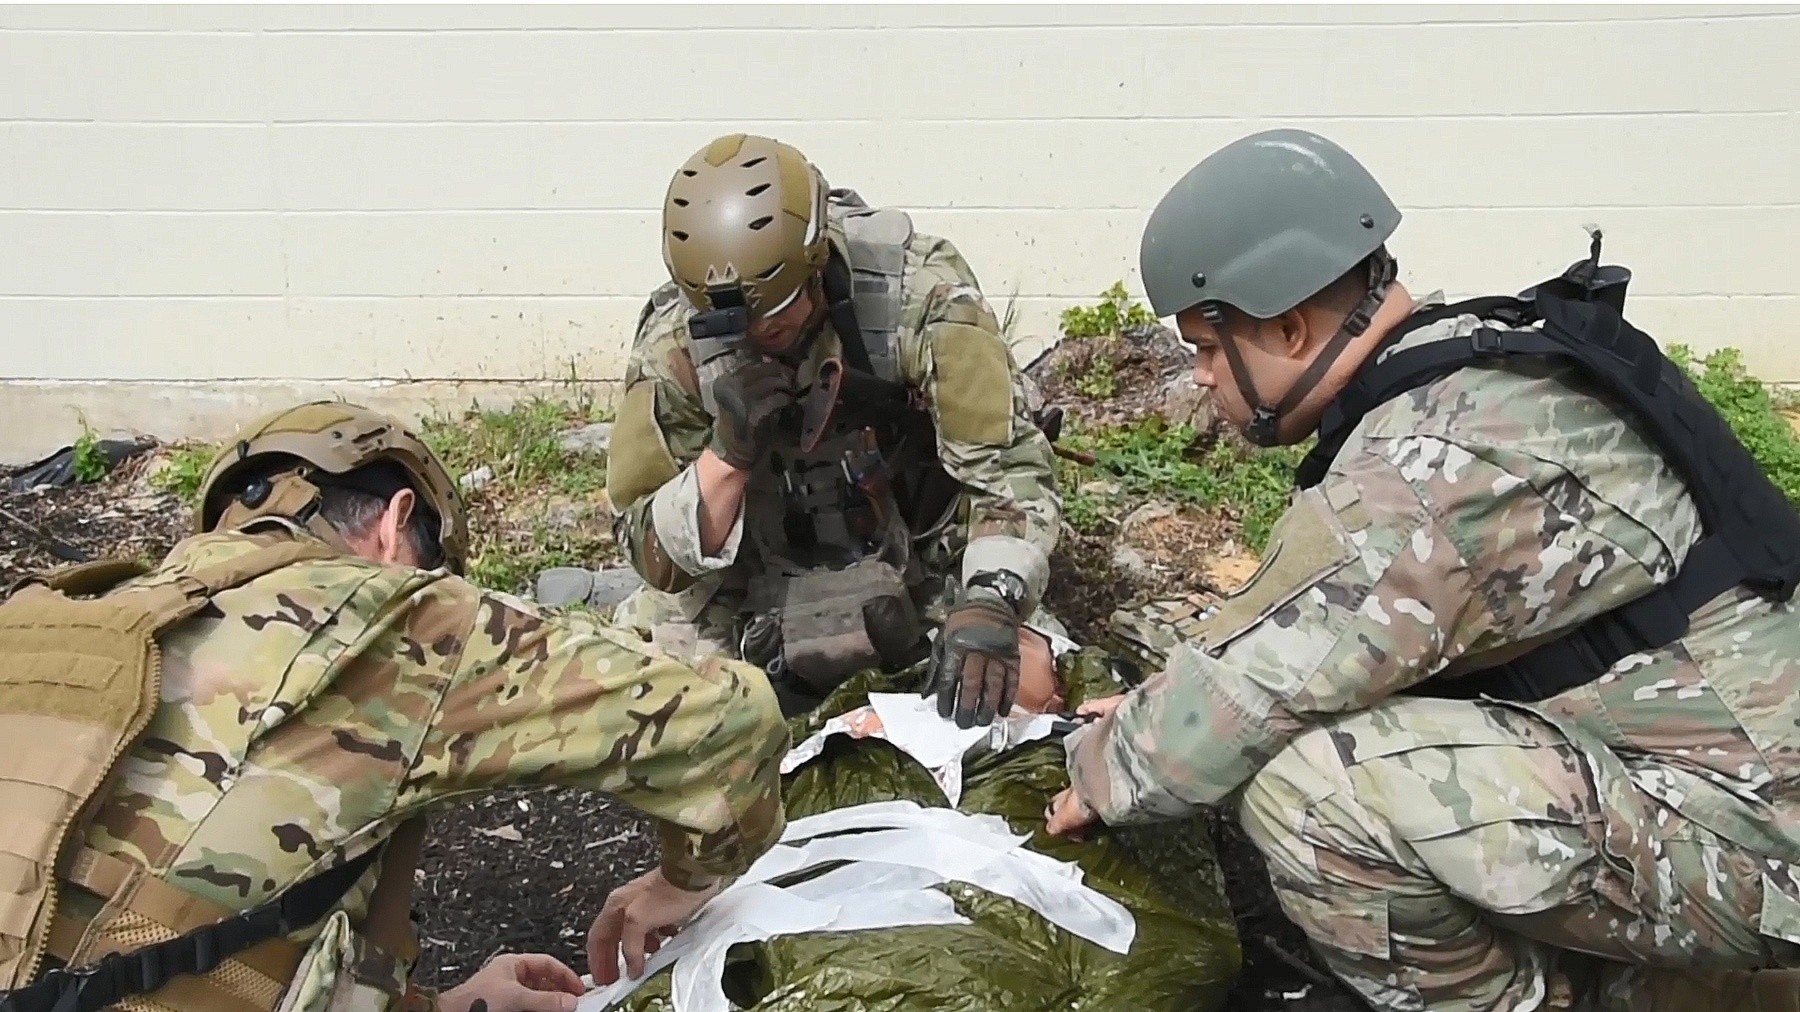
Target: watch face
[{"x": 1007, "y": 585}]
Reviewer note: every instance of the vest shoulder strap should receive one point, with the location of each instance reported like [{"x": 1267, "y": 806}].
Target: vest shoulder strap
[
  {"x": 1751, "y": 533},
  {"x": 81, "y": 678},
  {"x": 876, "y": 242}
]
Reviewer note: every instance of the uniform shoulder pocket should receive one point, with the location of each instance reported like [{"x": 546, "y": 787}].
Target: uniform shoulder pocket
[{"x": 1309, "y": 543}]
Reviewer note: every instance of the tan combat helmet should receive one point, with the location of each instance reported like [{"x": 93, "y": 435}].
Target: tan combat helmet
[
  {"x": 276, "y": 465},
  {"x": 745, "y": 214}
]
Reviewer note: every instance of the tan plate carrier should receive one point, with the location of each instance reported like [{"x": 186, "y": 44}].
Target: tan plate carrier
[{"x": 80, "y": 679}]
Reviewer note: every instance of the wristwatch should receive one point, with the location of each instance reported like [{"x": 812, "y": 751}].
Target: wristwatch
[{"x": 1009, "y": 585}]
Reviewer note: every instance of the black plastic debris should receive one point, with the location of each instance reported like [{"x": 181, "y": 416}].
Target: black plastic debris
[{"x": 59, "y": 469}]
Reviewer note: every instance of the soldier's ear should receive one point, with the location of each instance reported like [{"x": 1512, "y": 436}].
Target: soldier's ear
[
  {"x": 393, "y": 545},
  {"x": 1295, "y": 334}
]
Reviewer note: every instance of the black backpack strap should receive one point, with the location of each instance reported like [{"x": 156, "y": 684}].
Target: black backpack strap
[
  {"x": 1751, "y": 533},
  {"x": 144, "y": 971},
  {"x": 1407, "y": 370},
  {"x": 841, "y": 307}
]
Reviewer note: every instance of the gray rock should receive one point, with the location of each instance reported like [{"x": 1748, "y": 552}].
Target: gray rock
[
  {"x": 1137, "y": 518},
  {"x": 564, "y": 586},
  {"x": 1187, "y": 403},
  {"x": 1132, "y": 562},
  {"x": 588, "y": 439},
  {"x": 612, "y": 586},
  {"x": 477, "y": 478}
]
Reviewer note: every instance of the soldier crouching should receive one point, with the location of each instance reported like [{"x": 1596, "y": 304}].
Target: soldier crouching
[
  {"x": 216, "y": 771},
  {"x": 1509, "y": 708},
  {"x": 824, "y": 446}
]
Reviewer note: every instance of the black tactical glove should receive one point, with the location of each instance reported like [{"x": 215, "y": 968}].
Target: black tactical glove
[
  {"x": 975, "y": 665},
  {"x": 749, "y": 400}
]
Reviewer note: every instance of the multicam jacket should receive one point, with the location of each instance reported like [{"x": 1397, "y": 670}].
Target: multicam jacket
[
  {"x": 306, "y": 714},
  {"x": 1459, "y": 524}
]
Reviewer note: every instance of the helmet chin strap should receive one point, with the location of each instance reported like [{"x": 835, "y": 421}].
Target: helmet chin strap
[{"x": 1264, "y": 420}]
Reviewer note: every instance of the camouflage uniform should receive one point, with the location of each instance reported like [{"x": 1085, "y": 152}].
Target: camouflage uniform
[
  {"x": 308, "y": 713},
  {"x": 1448, "y": 854},
  {"x": 948, "y": 348}
]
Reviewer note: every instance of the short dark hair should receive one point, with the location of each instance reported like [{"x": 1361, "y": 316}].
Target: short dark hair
[{"x": 352, "y": 502}]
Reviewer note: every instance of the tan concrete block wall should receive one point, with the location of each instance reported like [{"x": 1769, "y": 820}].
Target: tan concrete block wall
[{"x": 205, "y": 210}]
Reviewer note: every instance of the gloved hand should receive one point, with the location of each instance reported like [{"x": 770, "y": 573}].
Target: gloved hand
[
  {"x": 975, "y": 665},
  {"x": 750, "y": 399}
]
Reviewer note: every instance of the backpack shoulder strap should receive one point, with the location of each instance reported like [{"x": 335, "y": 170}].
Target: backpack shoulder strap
[
  {"x": 1393, "y": 373},
  {"x": 1751, "y": 533}
]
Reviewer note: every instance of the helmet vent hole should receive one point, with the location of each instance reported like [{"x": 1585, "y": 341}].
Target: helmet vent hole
[
  {"x": 682, "y": 236},
  {"x": 681, "y": 202},
  {"x": 690, "y": 173},
  {"x": 754, "y": 162},
  {"x": 761, "y": 223},
  {"x": 754, "y": 190}
]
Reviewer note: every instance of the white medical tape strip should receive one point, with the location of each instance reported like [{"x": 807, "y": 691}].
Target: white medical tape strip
[{"x": 889, "y": 882}]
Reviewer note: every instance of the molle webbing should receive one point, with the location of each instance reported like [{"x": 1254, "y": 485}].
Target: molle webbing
[{"x": 79, "y": 682}]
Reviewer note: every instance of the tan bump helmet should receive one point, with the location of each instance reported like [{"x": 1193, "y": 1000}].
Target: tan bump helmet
[
  {"x": 328, "y": 438},
  {"x": 745, "y": 211}
]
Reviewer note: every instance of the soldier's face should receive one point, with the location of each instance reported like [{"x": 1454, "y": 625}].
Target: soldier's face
[
  {"x": 1272, "y": 354},
  {"x": 1212, "y": 371},
  {"x": 778, "y": 333}
]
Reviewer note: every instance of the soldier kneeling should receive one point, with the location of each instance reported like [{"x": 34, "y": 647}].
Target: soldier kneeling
[{"x": 824, "y": 445}]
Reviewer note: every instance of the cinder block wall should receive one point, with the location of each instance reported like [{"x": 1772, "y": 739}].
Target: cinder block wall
[{"x": 204, "y": 211}]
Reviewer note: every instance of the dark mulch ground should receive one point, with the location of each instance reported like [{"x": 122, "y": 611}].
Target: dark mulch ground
[
  {"x": 121, "y": 516},
  {"x": 1142, "y": 363},
  {"x": 481, "y": 891}
]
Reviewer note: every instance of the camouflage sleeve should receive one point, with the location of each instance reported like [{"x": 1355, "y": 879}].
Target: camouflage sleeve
[
  {"x": 559, "y": 700},
  {"x": 1411, "y": 555},
  {"x": 661, "y": 430},
  {"x": 986, "y": 438}
]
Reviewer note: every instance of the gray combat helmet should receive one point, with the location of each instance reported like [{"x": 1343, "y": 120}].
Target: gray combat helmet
[{"x": 1262, "y": 224}]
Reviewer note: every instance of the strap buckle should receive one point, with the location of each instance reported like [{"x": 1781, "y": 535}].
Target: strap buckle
[
  {"x": 1485, "y": 342},
  {"x": 70, "y": 986}
]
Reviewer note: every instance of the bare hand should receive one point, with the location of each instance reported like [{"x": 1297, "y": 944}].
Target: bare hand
[
  {"x": 1098, "y": 708},
  {"x": 521, "y": 982},
  {"x": 1069, "y": 816},
  {"x": 635, "y": 920}
]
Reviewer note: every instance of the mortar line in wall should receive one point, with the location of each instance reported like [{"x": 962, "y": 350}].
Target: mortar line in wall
[
  {"x": 954, "y": 27},
  {"x": 928, "y": 27},
  {"x": 671, "y": 121}
]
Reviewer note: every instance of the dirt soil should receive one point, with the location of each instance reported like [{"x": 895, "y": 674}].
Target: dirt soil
[
  {"x": 527, "y": 870},
  {"x": 1144, "y": 361}
]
